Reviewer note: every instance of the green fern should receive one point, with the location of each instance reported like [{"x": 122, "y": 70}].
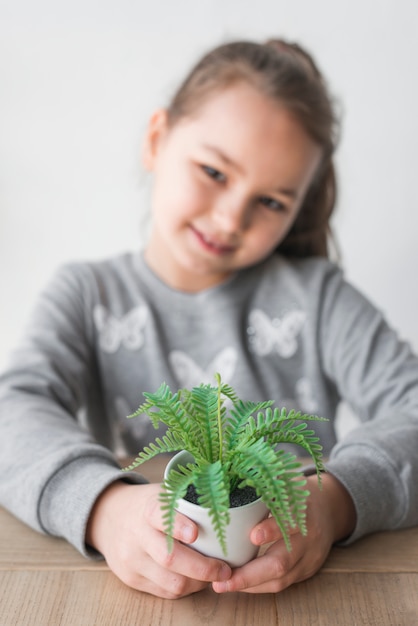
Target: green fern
[
  {"x": 175, "y": 488},
  {"x": 231, "y": 449},
  {"x": 212, "y": 486}
]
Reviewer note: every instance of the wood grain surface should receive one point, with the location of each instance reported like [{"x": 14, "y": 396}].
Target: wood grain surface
[{"x": 46, "y": 582}]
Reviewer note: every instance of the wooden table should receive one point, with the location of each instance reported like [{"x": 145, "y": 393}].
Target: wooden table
[{"x": 45, "y": 582}]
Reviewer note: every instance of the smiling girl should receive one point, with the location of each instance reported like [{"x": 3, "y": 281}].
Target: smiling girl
[
  {"x": 234, "y": 278},
  {"x": 226, "y": 193}
]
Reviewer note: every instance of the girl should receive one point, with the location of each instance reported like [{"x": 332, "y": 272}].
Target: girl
[{"x": 234, "y": 278}]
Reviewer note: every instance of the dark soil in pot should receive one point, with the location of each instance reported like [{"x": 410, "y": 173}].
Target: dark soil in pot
[{"x": 238, "y": 497}]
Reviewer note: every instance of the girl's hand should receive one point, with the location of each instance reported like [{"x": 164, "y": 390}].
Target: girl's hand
[
  {"x": 126, "y": 528},
  {"x": 330, "y": 517}
]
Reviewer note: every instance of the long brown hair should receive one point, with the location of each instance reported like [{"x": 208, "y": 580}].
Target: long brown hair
[{"x": 286, "y": 73}]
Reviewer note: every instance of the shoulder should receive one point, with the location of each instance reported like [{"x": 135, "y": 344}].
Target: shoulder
[
  {"x": 311, "y": 275},
  {"x": 314, "y": 284},
  {"x": 77, "y": 288},
  {"x": 110, "y": 269},
  {"x": 92, "y": 276}
]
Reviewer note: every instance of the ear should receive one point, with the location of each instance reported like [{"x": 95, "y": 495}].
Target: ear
[{"x": 156, "y": 131}]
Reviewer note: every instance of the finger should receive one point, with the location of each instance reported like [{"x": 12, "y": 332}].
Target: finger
[
  {"x": 268, "y": 531},
  {"x": 185, "y": 561},
  {"x": 297, "y": 575},
  {"x": 168, "y": 585},
  {"x": 272, "y": 572},
  {"x": 140, "y": 570},
  {"x": 185, "y": 529},
  {"x": 163, "y": 583},
  {"x": 173, "y": 586}
]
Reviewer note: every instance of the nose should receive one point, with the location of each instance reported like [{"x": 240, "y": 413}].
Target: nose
[{"x": 231, "y": 215}]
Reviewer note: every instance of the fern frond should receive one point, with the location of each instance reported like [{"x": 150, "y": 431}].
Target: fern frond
[
  {"x": 279, "y": 427},
  {"x": 170, "y": 442},
  {"x": 238, "y": 418},
  {"x": 276, "y": 477},
  {"x": 227, "y": 391},
  {"x": 148, "y": 406},
  {"x": 166, "y": 407},
  {"x": 212, "y": 487},
  {"x": 197, "y": 434},
  {"x": 204, "y": 408},
  {"x": 281, "y": 418},
  {"x": 305, "y": 439},
  {"x": 297, "y": 498},
  {"x": 174, "y": 488}
]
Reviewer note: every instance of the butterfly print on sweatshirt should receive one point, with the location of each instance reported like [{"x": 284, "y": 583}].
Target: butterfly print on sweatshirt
[
  {"x": 127, "y": 331},
  {"x": 189, "y": 374},
  {"x": 279, "y": 334}
]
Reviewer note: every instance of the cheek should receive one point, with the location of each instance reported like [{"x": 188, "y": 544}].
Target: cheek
[
  {"x": 176, "y": 197},
  {"x": 191, "y": 198},
  {"x": 271, "y": 233},
  {"x": 260, "y": 244},
  {"x": 272, "y": 240}
]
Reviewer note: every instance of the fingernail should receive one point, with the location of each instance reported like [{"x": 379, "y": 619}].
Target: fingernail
[
  {"x": 187, "y": 534},
  {"x": 220, "y": 587},
  {"x": 260, "y": 537},
  {"x": 224, "y": 573}
]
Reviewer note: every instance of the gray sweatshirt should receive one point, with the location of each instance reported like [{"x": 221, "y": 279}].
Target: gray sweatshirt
[{"x": 291, "y": 331}]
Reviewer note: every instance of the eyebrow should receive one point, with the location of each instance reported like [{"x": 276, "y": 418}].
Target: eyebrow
[
  {"x": 224, "y": 157},
  {"x": 291, "y": 193}
]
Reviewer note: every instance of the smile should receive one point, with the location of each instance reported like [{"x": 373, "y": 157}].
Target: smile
[{"x": 212, "y": 245}]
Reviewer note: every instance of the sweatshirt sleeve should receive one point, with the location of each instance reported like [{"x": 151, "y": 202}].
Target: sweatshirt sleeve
[
  {"x": 51, "y": 468},
  {"x": 377, "y": 375}
]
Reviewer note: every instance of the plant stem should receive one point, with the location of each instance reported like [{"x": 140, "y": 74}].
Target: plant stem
[{"x": 220, "y": 433}]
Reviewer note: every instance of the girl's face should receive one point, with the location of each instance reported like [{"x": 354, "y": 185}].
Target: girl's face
[{"x": 228, "y": 183}]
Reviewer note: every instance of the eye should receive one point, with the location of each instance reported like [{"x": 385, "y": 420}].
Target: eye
[
  {"x": 273, "y": 205},
  {"x": 213, "y": 173}
]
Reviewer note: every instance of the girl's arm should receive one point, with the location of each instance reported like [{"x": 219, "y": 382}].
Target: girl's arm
[
  {"x": 377, "y": 375},
  {"x": 58, "y": 479},
  {"x": 51, "y": 469},
  {"x": 371, "y": 481}
]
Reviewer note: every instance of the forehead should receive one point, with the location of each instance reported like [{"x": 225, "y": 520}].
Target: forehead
[{"x": 252, "y": 129}]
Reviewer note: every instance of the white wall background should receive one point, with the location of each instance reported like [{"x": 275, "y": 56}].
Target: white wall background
[{"x": 79, "y": 78}]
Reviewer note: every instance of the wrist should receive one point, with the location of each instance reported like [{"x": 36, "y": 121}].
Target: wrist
[
  {"x": 101, "y": 514},
  {"x": 339, "y": 505}
]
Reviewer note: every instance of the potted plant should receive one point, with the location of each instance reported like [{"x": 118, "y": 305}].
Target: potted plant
[{"x": 230, "y": 465}]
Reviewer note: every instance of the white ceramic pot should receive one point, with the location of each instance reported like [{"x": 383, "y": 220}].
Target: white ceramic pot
[{"x": 240, "y": 550}]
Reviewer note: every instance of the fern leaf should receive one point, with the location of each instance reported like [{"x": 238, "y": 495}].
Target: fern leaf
[
  {"x": 170, "y": 442},
  {"x": 279, "y": 427},
  {"x": 238, "y": 419},
  {"x": 149, "y": 405},
  {"x": 297, "y": 499},
  {"x": 198, "y": 433},
  {"x": 213, "y": 493},
  {"x": 306, "y": 440},
  {"x": 227, "y": 391},
  {"x": 266, "y": 471},
  {"x": 174, "y": 488},
  {"x": 204, "y": 401},
  {"x": 280, "y": 418},
  {"x": 166, "y": 407}
]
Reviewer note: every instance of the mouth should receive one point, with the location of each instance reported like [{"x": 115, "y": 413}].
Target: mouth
[{"x": 212, "y": 244}]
